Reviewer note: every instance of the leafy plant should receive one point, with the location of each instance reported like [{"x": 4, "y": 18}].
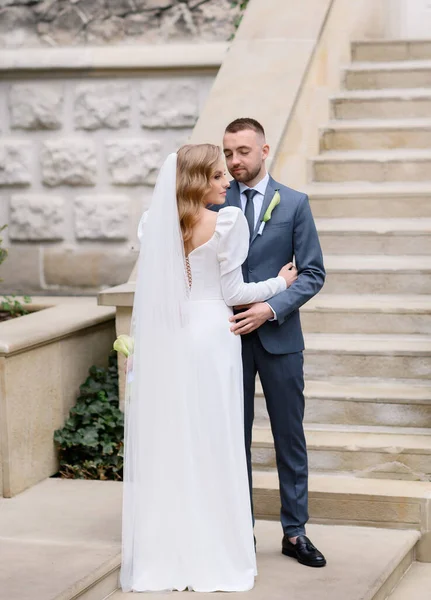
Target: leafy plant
[
  {"x": 91, "y": 442},
  {"x": 10, "y": 304},
  {"x": 13, "y": 306},
  {"x": 242, "y": 6},
  {"x": 3, "y": 252}
]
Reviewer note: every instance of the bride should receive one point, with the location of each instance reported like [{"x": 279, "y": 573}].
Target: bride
[{"x": 187, "y": 521}]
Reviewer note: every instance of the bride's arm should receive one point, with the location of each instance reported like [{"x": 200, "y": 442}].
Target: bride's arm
[
  {"x": 232, "y": 252},
  {"x": 236, "y": 292}
]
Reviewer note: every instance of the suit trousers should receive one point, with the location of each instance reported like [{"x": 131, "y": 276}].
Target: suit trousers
[{"x": 282, "y": 378}]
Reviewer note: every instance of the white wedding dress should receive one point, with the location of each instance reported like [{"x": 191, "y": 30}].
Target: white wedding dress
[{"x": 195, "y": 531}]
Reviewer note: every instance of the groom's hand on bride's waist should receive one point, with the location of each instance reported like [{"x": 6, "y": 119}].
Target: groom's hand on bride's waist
[{"x": 250, "y": 319}]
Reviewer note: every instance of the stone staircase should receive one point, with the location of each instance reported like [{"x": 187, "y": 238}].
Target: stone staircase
[{"x": 368, "y": 334}]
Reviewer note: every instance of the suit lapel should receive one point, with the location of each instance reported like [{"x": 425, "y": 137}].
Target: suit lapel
[
  {"x": 269, "y": 194},
  {"x": 233, "y": 196}
]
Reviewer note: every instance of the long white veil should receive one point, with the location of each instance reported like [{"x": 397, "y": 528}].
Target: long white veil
[{"x": 156, "y": 431}]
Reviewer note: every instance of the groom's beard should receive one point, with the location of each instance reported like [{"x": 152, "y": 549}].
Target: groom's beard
[{"x": 246, "y": 175}]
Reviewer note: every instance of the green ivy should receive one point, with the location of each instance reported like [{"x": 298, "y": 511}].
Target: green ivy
[
  {"x": 10, "y": 304},
  {"x": 242, "y": 6},
  {"x": 13, "y": 306},
  {"x": 3, "y": 252},
  {"x": 91, "y": 442}
]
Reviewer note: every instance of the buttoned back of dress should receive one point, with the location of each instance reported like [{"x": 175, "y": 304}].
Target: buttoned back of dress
[{"x": 205, "y": 268}]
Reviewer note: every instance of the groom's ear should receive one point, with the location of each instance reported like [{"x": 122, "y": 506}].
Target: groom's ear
[{"x": 265, "y": 151}]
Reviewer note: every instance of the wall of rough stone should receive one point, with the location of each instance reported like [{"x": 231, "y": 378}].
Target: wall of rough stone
[
  {"x": 78, "y": 158},
  {"x": 95, "y": 22}
]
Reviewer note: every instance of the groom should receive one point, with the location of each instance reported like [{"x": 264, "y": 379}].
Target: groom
[{"x": 272, "y": 341}]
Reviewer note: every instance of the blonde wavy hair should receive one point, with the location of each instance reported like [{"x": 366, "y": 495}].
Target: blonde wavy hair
[{"x": 196, "y": 164}]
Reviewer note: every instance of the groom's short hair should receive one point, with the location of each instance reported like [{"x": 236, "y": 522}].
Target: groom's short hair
[{"x": 245, "y": 123}]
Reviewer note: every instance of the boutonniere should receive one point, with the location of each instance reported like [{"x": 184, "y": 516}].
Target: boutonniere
[{"x": 268, "y": 213}]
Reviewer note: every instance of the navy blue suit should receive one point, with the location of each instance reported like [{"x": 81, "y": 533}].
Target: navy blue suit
[{"x": 274, "y": 350}]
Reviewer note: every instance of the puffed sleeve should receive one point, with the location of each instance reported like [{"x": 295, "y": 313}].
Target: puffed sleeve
[
  {"x": 232, "y": 229},
  {"x": 233, "y": 244}
]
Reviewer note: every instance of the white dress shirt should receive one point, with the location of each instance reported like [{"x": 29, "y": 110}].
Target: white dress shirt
[
  {"x": 257, "y": 202},
  {"x": 258, "y": 198}
]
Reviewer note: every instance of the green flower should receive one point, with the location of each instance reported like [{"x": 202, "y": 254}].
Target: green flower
[
  {"x": 274, "y": 202},
  {"x": 124, "y": 345}
]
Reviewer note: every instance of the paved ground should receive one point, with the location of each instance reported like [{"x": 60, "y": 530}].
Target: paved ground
[
  {"x": 55, "y": 535},
  {"x": 358, "y": 560},
  {"x": 61, "y": 534}
]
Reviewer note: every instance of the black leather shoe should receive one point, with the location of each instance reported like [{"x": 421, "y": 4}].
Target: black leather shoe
[{"x": 304, "y": 551}]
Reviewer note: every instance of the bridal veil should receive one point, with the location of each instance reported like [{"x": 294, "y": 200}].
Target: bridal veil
[{"x": 156, "y": 423}]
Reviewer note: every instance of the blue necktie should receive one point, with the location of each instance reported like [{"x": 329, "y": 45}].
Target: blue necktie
[{"x": 249, "y": 209}]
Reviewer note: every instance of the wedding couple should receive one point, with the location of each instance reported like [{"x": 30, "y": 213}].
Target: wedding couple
[{"x": 187, "y": 512}]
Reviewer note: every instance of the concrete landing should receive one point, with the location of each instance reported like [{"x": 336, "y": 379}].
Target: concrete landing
[
  {"x": 60, "y": 540},
  {"x": 360, "y": 562}
]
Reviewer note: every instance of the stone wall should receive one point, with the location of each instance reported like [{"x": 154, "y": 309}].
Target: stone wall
[
  {"x": 78, "y": 158},
  {"x": 95, "y": 22}
]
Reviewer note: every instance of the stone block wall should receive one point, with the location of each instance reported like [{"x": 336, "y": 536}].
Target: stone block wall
[
  {"x": 96, "y": 22},
  {"x": 78, "y": 158}
]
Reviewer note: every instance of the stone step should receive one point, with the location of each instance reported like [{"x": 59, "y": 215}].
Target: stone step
[
  {"x": 360, "y": 402},
  {"x": 370, "y": 200},
  {"x": 367, "y": 313},
  {"x": 61, "y": 540},
  {"x": 391, "y": 50},
  {"x": 363, "y": 452},
  {"x": 383, "y": 75},
  {"x": 363, "y": 564},
  {"x": 376, "y": 134},
  {"x": 375, "y": 236},
  {"x": 367, "y": 355},
  {"x": 382, "y": 104},
  {"x": 372, "y": 165},
  {"x": 415, "y": 584},
  {"x": 349, "y": 500},
  {"x": 377, "y": 274}
]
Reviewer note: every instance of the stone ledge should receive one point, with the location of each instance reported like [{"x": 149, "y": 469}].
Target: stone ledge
[
  {"x": 383, "y": 490},
  {"x": 53, "y": 323},
  {"x": 361, "y": 389},
  {"x": 38, "y": 302},
  {"x": 370, "y": 303},
  {"x": 373, "y": 344},
  {"x": 356, "y": 439},
  {"x": 120, "y": 295},
  {"x": 114, "y": 58},
  {"x": 346, "y": 500}
]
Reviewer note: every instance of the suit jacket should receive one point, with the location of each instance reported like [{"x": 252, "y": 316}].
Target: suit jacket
[{"x": 291, "y": 232}]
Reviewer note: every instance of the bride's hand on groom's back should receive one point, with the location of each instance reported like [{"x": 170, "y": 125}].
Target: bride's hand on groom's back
[{"x": 289, "y": 274}]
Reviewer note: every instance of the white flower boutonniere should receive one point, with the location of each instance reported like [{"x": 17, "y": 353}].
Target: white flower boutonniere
[{"x": 268, "y": 213}]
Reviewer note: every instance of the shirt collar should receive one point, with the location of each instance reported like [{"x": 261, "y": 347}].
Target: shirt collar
[{"x": 259, "y": 187}]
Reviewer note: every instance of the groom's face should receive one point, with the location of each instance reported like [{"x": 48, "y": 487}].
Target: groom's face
[{"x": 245, "y": 152}]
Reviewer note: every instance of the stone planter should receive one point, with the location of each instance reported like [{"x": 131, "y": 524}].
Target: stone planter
[{"x": 44, "y": 358}]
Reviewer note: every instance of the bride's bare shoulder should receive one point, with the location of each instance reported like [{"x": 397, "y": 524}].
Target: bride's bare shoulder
[{"x": 210, "y": 216}]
